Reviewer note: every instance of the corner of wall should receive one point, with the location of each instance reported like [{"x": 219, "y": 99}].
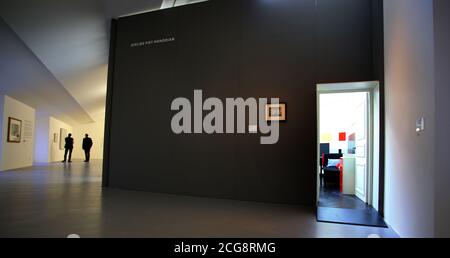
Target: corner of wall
[{"x": 2, "y": 103}]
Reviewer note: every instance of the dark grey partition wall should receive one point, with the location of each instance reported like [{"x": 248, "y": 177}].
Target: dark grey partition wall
[{"x": 230, "y": 48}]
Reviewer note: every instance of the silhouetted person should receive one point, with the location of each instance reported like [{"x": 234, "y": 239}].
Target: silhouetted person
[
  {"x": 68, "y": 148},
  {"x": 87, "y": 145}
]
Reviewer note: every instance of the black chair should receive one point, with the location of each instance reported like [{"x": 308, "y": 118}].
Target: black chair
[{"x": 331, "y": 174}]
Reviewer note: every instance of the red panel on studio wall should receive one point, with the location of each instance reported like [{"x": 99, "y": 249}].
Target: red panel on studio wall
[{"x": 342, "y": 137}]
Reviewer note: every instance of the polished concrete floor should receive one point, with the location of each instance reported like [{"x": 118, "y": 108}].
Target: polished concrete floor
[{"x": 55, "y": 200}]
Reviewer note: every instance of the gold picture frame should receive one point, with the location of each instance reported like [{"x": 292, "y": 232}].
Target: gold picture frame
[{"x": 276, "y": 112}]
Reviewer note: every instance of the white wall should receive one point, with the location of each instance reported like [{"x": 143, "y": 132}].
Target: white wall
[
  {"x": 55, "y": 125},
  {"x": 410, "y": 94},
  {"x": 344, "y": 104},
  {"x": 42, "y": 147},
  {"x": 96, "y": 133},
  {"x": 442, "y": 83},
  {"x": 17, "y": 155},
  {"x": 47, "y": 150}
]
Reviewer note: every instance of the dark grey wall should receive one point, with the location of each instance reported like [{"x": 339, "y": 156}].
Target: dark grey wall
[
  {"x": 442, "y": 84},
  {"x": 230, "y": 48},
  {"x": 378, "y": 74}
]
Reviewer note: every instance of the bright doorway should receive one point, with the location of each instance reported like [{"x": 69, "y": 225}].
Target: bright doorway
[{"x": 349, "y": 152}]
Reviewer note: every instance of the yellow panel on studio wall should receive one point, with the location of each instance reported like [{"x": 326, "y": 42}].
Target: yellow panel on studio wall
[{"x": 326, "y": 137}]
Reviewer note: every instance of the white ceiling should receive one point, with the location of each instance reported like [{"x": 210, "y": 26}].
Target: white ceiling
[
  {"x": 25, "y": 78},
  {"x": 70, "y": 38}
]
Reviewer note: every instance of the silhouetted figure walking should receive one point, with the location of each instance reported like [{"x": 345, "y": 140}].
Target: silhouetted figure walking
[
  {"x": 87, "y": 145},
  {"x": 68, "y": 148}
]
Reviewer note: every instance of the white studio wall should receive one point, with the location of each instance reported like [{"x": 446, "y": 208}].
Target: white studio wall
[
  {"x": 48, "y": 138},
  {"x": 331, "y": 124},
  {"x": 42, "y": 146},
  {"x": 50, "y": 142},
  {"x": 56, "y": 138},
  {"x": 17, "y": 149},
  {"x": 410, "y": 95},
  {"x": 96, "y": 132}
]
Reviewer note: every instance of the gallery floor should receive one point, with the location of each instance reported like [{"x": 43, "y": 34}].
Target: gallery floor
[{"x": 55, "y": 200}]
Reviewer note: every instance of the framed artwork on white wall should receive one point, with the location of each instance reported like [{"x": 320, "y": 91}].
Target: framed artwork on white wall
[
  {"x": 55, "y": 138},
  {"x": 14, "y": 130}
]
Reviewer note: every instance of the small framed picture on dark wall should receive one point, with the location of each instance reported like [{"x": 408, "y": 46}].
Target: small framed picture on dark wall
[
  {"x": 14, "y": 130},
  {"x": 276, "y": 112}
]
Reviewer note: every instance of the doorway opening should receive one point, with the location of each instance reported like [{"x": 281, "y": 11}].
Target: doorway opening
[{"x": 349, "y": 153}]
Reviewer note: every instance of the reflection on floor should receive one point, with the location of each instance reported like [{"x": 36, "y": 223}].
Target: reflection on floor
[
  {"x": 56, "y": 200},
  {"x": 335, "y": 207}
]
